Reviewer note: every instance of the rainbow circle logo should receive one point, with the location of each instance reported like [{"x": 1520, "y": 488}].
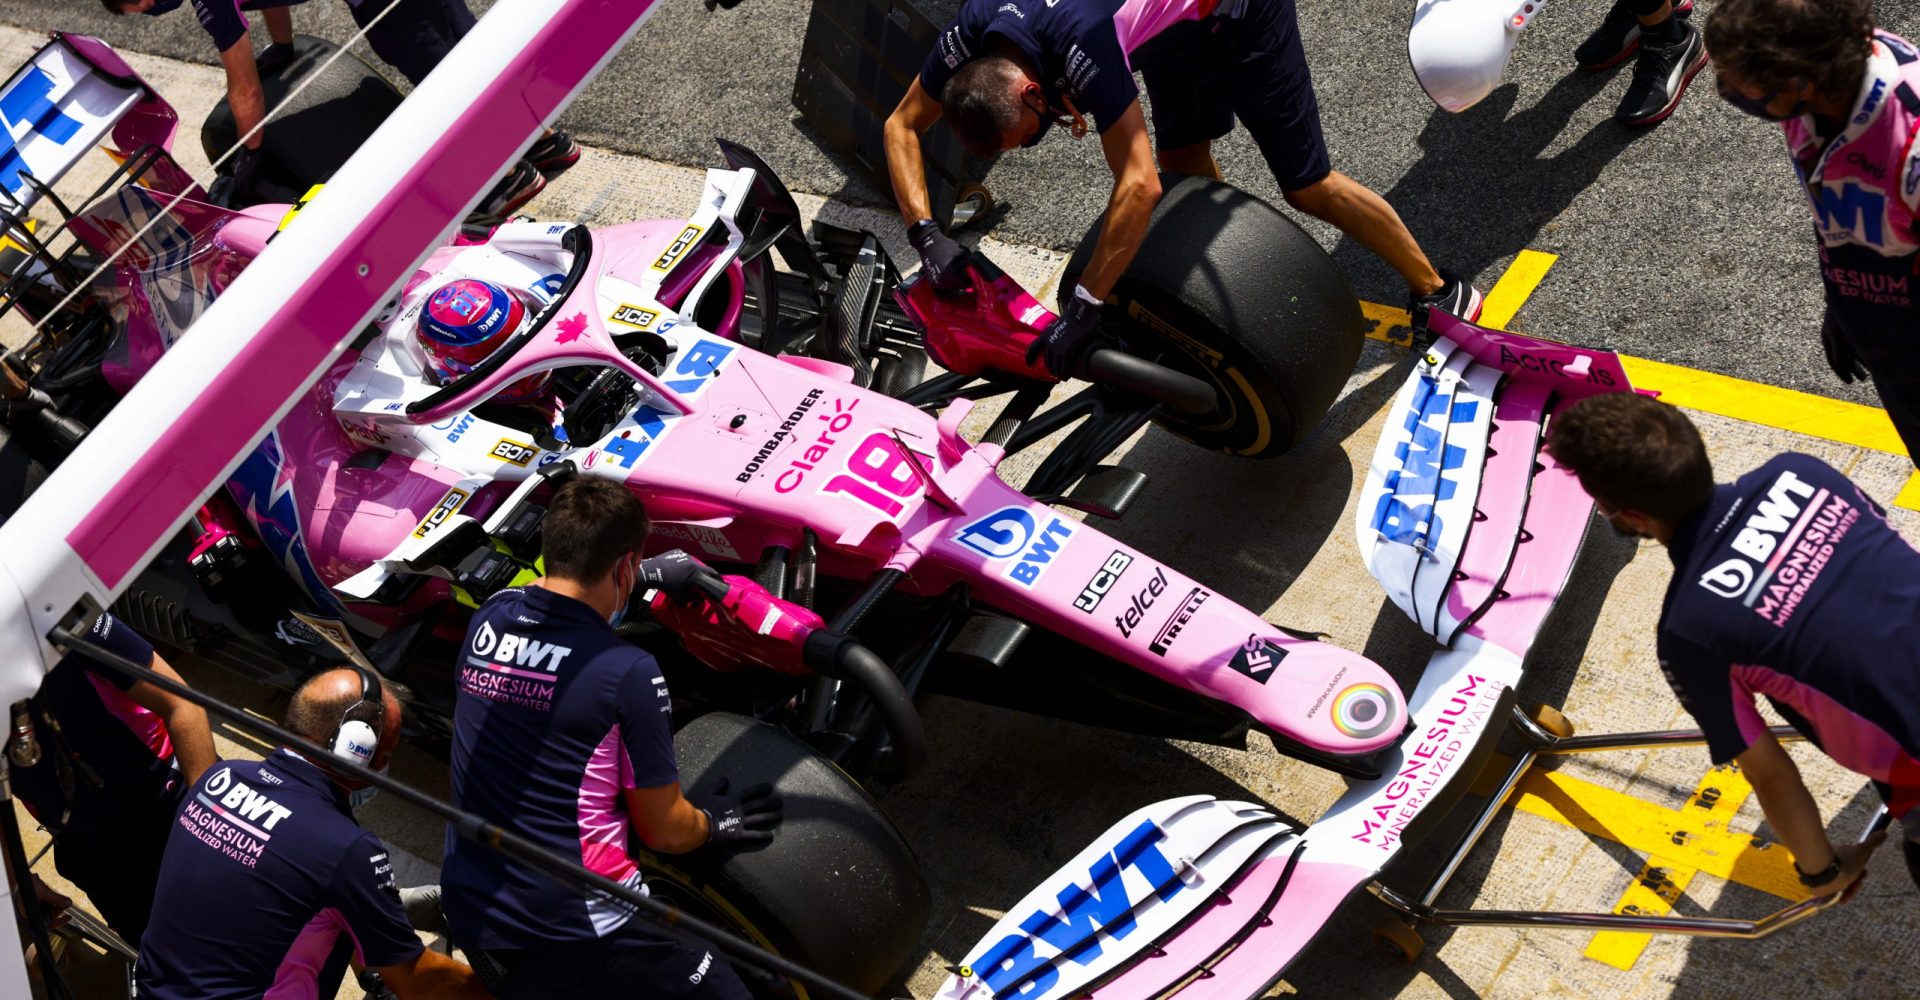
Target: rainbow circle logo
[{"x": 1362, "y": 711}]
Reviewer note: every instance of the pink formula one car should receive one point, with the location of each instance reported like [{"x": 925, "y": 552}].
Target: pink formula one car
[{"x": 778, "y": 426}]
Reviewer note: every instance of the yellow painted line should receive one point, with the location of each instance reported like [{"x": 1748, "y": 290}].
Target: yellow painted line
[
  {"x": 1693, "y": 838},
  {"x": 1909, "y": 494},
  {"x": 1514, "y": 287},
  {"x": 1719, "y": 796},
  {"x": 1653, "y": 892},
  {"x": 1689, "y": 388}
]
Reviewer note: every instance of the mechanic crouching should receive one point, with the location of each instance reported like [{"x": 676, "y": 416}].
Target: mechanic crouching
[
  {"x": 1788, "y": 584},
  {"x": 269, "y": 884},
  {"x": 562, "y": 734}
]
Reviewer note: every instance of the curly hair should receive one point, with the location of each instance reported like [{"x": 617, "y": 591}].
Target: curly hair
[
  {"x": 982, "y": 103},
  {"x": 1633, "y": 452},
  {"x": 1777, "y": 44}
]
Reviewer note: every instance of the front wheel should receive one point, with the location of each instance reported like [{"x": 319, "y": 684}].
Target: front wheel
[
  {"x": 1227, "y": 289},
  {"x": 838, "y": 890}
]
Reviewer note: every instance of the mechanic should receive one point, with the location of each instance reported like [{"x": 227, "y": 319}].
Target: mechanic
[
  {"x": 1787, "y": 583},
  {"x": 568, "y": 746},
  {"x": 1671, "y": 52},
  {"x": 412, "y": 38},
  {"x": 115, "y": 755},
  {"x": 1848, "y": 98},
  {"x": 226, "y": 22},
  {"x": 269, "y": 883},
  {"x": 1003, "y": 73}
]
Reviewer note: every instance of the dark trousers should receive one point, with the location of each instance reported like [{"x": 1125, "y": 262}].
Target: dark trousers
[
  {"x": 417, "y": 35},
  {"x": 633, "y": 961},
  {"x": 116, "y": 862}
]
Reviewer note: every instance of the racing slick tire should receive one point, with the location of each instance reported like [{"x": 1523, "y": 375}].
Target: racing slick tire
[
  {"x": 313, "y": 135},
  {"x": 838, "y": 890},
  {"x": 1231, "y": 291}
]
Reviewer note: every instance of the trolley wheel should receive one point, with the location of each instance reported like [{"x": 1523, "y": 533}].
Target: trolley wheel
[
  {"x": 1551, "y": 720},
  {"x": 1400, "y": 939},
  {"x": 972, "y": 203}
]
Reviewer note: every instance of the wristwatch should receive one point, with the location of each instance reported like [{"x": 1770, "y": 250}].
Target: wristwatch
[{"x": 1821, "y": 877}]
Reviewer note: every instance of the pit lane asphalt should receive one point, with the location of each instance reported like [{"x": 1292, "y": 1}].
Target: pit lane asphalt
[{"x": 1686, "y": 243}]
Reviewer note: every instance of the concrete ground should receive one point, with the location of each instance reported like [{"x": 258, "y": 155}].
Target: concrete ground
[{"x": 1008, "y": 798}]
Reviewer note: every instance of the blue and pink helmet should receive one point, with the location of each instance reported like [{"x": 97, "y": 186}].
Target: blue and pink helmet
[{"x": 463, "y": 323}]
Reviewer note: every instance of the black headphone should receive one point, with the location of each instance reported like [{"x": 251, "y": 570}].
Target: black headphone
[{"x": 358, "y": 734}]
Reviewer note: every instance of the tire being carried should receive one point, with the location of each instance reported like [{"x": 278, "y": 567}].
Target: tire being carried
[
  {"x": 838, "y": 890},
  {"x": 1229, "y": 290}
]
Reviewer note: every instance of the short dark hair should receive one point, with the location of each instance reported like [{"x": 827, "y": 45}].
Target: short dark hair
[
  {"x": 1777, "y": 43},
  {"x": 981, "y": 103},
  {"x": 591, "y": 524},
  {"x": 1633, "y": 452},
  {"x": 115, "y": 7}
]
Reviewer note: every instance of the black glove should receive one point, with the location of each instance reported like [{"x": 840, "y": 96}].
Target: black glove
[
  {"x": 672, "y": 573},
  {"x": 246, "y": 178},
  {"x": 744, "y": 818},
  {"x": 944, "y": 261},
  {"x": 1840, "y": 353},
  {"x": 1069, "y": 338}
]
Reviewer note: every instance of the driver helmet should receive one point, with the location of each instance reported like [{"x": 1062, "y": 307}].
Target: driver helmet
[{"x": 463, "y": 323}]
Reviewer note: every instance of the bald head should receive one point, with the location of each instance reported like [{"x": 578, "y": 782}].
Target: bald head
[{"x": 320, "y": 703}]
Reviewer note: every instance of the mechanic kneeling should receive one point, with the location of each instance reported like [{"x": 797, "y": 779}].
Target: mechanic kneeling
[
  {"x": 1788, "y": 583},
  {"x": 562, "y": 734},
  {"x": 267, "y": 868}
]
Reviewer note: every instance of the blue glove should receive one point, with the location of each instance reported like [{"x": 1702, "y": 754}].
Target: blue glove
[
  {"x": 943, "y": 260},
  {"x": 1070, "y": 337}
]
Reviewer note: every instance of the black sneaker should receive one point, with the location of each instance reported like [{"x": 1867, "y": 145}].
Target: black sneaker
[
  {"x": 1617, "y": 38},
  {"x": 553, "y": 154},
  {"x": 1660, "y": 78},
  {"x": 1456, "y": 297},
  {"x": 522, "y": 182}
]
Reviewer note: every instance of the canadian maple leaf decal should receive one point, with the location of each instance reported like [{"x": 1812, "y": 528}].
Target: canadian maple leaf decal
[{"x": 572, "y": 328}]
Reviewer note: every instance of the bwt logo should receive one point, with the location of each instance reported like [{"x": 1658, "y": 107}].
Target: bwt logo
[
  {"x": 1011, "y": 968},
  {"x": 1853, "y": 209},
  {"x": 1759, "y": 537},
  {"x": 26, "y": 111},
  {"x": 517, "y": 650},
  {"x": 246, "y": 803},
  {"x": 1012, "y": 531},
  {"x": 1424, "y": 461}
]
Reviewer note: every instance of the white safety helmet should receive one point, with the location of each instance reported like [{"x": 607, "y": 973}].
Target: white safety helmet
[{"x": 1459, "y": 48}]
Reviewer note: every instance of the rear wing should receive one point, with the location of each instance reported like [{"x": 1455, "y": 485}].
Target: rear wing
[{"x": 1473, "y": 531}]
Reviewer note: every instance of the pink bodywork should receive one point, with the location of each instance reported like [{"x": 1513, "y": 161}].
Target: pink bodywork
[{"x": 750, "y": 450}]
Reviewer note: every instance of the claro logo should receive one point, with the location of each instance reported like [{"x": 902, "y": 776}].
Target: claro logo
[{"x": 1760, "y": 537}]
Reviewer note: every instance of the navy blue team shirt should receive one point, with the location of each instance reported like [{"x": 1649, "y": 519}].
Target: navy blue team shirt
[
  {"x": 1790, "y": 585},
  {"x": 1074, "y": 43},
  {"x": 555, "y": 717},
  {"x": 222, "y": 18},
  {"x": 264, "y": 872}
]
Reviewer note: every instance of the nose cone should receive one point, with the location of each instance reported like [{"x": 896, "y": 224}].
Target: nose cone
[{"x": 1459, "y": 49}]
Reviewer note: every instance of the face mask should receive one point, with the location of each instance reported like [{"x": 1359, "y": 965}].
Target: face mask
[
  {"x": 1757, "y": 106},
  {"x": 620, "y": 614},
  {"x": 361, "y": 796}
]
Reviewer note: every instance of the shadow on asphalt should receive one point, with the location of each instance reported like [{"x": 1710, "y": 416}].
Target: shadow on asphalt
[{"x": 1486, "y": 185}]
